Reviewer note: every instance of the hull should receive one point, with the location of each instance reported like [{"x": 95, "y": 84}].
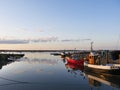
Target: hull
[
  {"x": 76, "y": 62},
  {"x": 102, "y": 71},
  {"x": 75, "y": 67}
]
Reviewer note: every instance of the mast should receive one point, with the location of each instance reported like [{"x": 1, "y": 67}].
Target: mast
[{"x": 91, "y": 46}]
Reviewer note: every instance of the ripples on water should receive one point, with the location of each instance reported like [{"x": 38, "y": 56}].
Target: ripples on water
[{"x": 42, "y": 71}]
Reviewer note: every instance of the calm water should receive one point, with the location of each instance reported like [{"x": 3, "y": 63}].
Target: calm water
[{"x": 42, "y": 71}]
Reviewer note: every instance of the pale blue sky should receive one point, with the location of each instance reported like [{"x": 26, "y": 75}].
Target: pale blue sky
[{"x": 59, "y": 24}]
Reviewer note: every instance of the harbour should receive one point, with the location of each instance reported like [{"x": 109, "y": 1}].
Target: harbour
[
  {"x": 41, "y": 70},
  {"x": 48, "y": 45}
]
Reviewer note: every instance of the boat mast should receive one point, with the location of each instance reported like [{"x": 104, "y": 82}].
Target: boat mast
[{"x": 91, "y": 46}]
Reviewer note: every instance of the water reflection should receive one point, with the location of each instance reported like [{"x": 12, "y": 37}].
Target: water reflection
[
  {"x": 39, "y": 58},
  {"x": 32, "y": 69},
  {"x": 40, "y": 61},
  {"x": 96, "y": 80},
  {"x": 6, "y": 62},
  {"x": 12, "y": 82},
  {"x": 75, "y": 69},
  {"x": 38, "y": 71},
  {"x": 64, "y": 60}
]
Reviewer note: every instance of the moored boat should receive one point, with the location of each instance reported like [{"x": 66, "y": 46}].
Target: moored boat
[
  {"x": 94, "y": 65},
  {"x": 76, "y": 62},
  {"x": 74, "y": 67},
  {"x": 76, "y": 59}
]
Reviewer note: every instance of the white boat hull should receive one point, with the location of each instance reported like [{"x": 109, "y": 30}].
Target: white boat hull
[{"x": 113, "y": 69}]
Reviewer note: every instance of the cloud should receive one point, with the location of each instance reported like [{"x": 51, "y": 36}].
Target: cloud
[
  {"x": 14, "y": 41},
  {"x": 69, "y": 40},
  {"x": 40, "y": 30},
  {"x": 47, "y": 39},
  {"x": 74, "y": 40},
  {"x": 25, "y": 41},
  {"x": 6, "y": 40}
]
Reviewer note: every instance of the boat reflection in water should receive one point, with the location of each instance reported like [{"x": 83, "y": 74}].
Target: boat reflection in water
[
  {"x": 96, "y": 80},
  {"x": 75, "y": 69}
]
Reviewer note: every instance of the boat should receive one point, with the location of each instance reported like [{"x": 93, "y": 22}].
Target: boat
[
  {"x": 56, "y": 54},
  {"x": 94, "y": 65},
  {"x": 76, "y": 59},
  {"x": 74, "y": 67},
  {"x": 65, "y": 54}
]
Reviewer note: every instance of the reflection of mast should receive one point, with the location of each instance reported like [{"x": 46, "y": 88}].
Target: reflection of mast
[
  {"x": 96, "y": 80},
  {"x": 93, "y": 82}
]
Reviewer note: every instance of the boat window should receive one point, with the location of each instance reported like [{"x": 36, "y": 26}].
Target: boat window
[{"x": 90, "y": 57}]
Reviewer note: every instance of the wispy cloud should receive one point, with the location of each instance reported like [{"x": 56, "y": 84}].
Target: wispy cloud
[
  {"x": 40, "y": 30},
  {"x": 25, "y": 41},
  {"x": 6, "y": 40},
  {"x": 46, "y": 39},
  {"x": 74, "y": 40},
  {"x": 14, "y": 41}
]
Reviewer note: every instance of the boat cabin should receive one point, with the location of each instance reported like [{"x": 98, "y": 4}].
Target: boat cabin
[{"x": 93, "y": 58}]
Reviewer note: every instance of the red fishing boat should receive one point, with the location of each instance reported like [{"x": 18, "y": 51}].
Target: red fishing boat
[
  {"x": 74, "y": 67},
  {"x": 75, "y": 59}
]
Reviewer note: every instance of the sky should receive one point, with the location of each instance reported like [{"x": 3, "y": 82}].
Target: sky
[{"x": 59, "y": 24}]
